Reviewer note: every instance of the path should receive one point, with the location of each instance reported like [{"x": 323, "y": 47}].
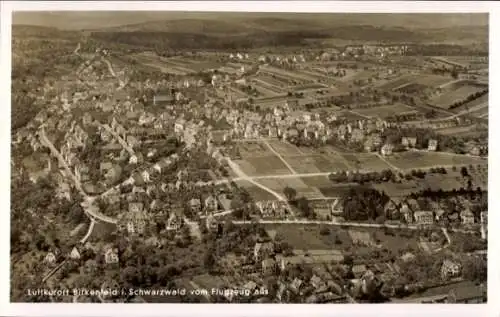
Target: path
[
  {"x": 280, "y": 157},
  {"x": 388, "y": 163},
  {"x": 237, "y": 170},
  {"x": 89, "y": 232}
]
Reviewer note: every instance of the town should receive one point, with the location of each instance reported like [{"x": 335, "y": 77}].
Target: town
[{"x": 352, "y": 173}]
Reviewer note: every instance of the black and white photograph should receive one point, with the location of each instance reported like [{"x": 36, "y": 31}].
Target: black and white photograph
[{"x": 248, "y": 157}]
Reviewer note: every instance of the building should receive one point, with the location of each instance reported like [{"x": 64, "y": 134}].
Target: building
[
  {"x": 163, "y": 99},
  {"x": 75, "y": 254},
  {"x": 174, "y": 222},
  {"x": 424, "y": 218},
  {"x": 386, "y": 150},
  {"x": 269, "y": 266},
  {"x": 211, "y": 203},
  {"x": 432, "y": 146},
  {"x": 111, "y": 256},
  {"x": 263, "y": 250},
  {"x": 50, "y": 258},
  {"x": 195, "y": 205},
  {"x": 450, "y": 269},
  {"x": 467, "y": 216},
  {"x": 409, "y": 142}
]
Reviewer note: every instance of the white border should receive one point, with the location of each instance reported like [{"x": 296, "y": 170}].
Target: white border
[{"x": 7, "y": 309}]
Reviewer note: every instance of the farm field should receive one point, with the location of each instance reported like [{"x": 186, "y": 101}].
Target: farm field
[
  {"x": 365, "y": 161},
  {"x": 155, "y": 62},
  {"x": 253, "y": 149},
  {"x": 271, "y": 100},
  {"x": 447, "y": 99},
  {"x": 336, "y": 190},
  {"x": 414, "y": 160},
  {"x": 386, "y": 111},
  {"x": 265, "y": 89},
  {"x": 350, "y": 115},
  {"x": 257, "y": 193},
  {"x": 263, "y": 165},
  {"x": 456, "y": 130},
  {"x": 398, "y": 82},
  {"x": 317, "y": 181},
  {"x": 315, "y": 164},
  {"x": 302, "y": 188},
  {"x": 285, "y": 148},
  {"x": 474, "y": 103},
  {"x": 292, "y": 76},
  {"x": 432, "y": 80}
]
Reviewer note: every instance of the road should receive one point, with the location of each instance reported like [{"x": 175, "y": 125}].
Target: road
[
  {"x": 237, "y": 170},
  {"x": 89, "y": 232},
  {"x": 61, "y": 159},
  {"x": 322, "y": 222},
  {"x": 119, "y": 139}
]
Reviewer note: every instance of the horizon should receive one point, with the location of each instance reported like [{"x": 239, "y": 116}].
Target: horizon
[{"x": 85, "y": 20}]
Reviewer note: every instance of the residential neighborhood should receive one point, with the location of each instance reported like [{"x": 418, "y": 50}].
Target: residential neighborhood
[{"x": 285, "y": 171}]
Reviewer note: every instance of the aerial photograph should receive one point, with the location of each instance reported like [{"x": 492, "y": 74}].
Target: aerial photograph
[{"x": 245, "y": 157}]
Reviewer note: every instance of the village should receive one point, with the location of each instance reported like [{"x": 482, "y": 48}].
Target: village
[{"x": 348, "y": 175}]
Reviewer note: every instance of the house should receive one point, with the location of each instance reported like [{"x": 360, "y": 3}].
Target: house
[
  {"x": 391, "y": 210},
  {"x": 174, "y": 222},
  {"x": 475, "y": 151},
  {"x": 111, "y": 256},
  {"x": 409, "y": 142},
  {"x": 406, "y": 212},
  {"x": 357, "y": 135},
  {"x": 295, "y": 285},
  {"x": 386, "y": 150},
  {"x": 269, "y": 266},
  {"x": 195, "y": 205},
  {"x": 211, "y": 203},
  {"x": 432, "y": 146},
  {"x": 263, "y": 250},
  {"x": 467, "y": 216},
  {"x": 468, "y": 294},
  {"x": 74, "y": 255},
  {"x": 211, "y": 223},
  {"x": 359, "y": 270},
  {"x": 423, "y": 218},
  {"x": 50, "y": 258},
  {"x": 318, "y": 284},
  {"x": 450, "y": 269}
]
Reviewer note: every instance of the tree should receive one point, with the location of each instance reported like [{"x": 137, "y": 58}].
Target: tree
[
  {"x": 474, "y": 269},
  {"x": 290, "y": 193}
]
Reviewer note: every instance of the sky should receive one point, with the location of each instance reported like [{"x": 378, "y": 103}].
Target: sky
[{"x": 77, "y": 20}]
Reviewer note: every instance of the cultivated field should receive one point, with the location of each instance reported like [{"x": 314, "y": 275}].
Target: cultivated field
[
  {"x": 284, "y": 148},
  {"x": 257, "y": 193},
  {"x": 302, "y": 188},
  {"x": 386, "y": 111},
  {"x": 263, "y": 165},
  {"x": 414, "y": 160},
  {"x": 253, "y": 149},
  {"x": 460, "y": 130},
  {"x": 365, "y": 161},
  {"x": 447, "y": 99}
]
